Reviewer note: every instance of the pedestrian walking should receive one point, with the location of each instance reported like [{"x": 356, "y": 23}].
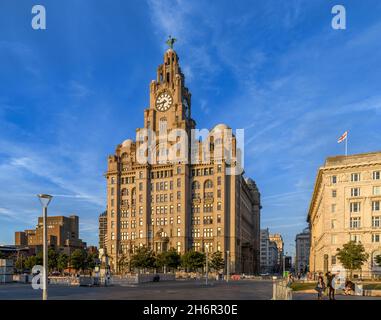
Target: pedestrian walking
[
  {"x": 331, "y": 289},
  {"x": 320, "y": 287},
  {"x": 290, "y": 280}
]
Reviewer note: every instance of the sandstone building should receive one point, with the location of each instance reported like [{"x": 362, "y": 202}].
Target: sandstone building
[
  {"x": 63, "y": 234},
  {"x": 268, "y": 253},
  {"x": 180, "y": 204},
  {"x": 346, "y": 205},
  {"x": 102, "y": 231},
  {"x": 278, "y": 240}
]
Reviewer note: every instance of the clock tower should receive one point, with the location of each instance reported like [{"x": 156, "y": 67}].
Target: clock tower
[
  {"x": 158, "y": 197},
  {"x": 170, "y": 100}
]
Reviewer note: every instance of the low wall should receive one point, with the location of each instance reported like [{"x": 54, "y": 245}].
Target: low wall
[
  {"x": 141, "y": 278},
  {"x": 372, "y": 293},
  {"x": 64, "y": 281},
  {"x": 21, "y": 278}
]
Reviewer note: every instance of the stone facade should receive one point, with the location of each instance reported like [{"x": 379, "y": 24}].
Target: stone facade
[
  {"x": 302, "y": 254},
  {"x": 346, "y": 206},
  {"x": 268, "y": 253},
  {"x": 102, "y": 232},
  {"x": 277, "y": 238},
  {"x": 179, "y": 204}
]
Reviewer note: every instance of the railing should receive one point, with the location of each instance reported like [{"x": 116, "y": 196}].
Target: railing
[{"x": 281, "y": 291}]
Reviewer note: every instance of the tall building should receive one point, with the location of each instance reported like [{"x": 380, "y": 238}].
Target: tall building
[
  {"x": 63, "y": 234},
  {"x": 345, "y": 206},
  {"x": 182, "y": 204},
  {"x": 277, "y": 238},
  {"x": 268, "y": 253},
  {"x": 102, "y": 222},
  {"x": 302, "y": 254}
]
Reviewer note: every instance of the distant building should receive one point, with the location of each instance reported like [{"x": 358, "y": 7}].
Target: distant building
[
  {"x": 302, "y": 256},
  {"x": 277, "y": 238},
  {"x": 268, "y": 253},
  {"x": 288, "y": 263},
  {"x": 63, "y": 234},
  {"x": 102, "y": 223},
  {"x": 92, "y": 250},
  {"x": 346, "y": 206}
]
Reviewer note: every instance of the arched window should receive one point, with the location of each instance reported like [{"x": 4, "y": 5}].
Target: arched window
[
  {"x": 124, "y": 192},
  {"x": 208, "y": 184},
  {"x": 195, "y": 185}
]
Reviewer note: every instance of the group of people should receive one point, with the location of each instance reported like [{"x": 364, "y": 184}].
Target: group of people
[{"x": 349, "y": 287}]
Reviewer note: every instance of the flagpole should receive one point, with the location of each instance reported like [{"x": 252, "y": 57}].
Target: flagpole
[{"x": 346, "y": 145}]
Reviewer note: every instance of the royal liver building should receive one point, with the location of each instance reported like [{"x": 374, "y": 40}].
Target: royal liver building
[{"x": 171, "y": 189}]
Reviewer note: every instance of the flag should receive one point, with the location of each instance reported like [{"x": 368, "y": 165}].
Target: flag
[{"x": 343, "y": 137}]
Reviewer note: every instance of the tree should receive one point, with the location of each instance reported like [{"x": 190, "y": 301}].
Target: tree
[
  {"x": 143, "y": 258},
  {"x": 32, "y": 261},
  {"x": 217, "y": 262},
  {"x": 2, "y": 255},
  {"x": 52, "y": 259},
  {"x": 170, "y": 259},
  {"x": 62, "y": 262},
  {"x": 78, "y": 259},
  {"x": 352, "y": 256},
  {"x": 20, "y": 263},
  {"x": 91, "y": 261},
  {"x": 123, "y": 263},
  {"x": 193, "y": 260}
]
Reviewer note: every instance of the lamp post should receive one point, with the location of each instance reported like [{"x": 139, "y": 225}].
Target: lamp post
[
  {"x": 45, "y": 200},
  {"x": 227, "y": 265},
  {"x": 207, "y": 264},
  {"x": 284, "y": 264}
]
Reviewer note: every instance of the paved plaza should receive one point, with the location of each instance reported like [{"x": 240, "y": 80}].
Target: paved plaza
[{"x": 171, "y": 290}]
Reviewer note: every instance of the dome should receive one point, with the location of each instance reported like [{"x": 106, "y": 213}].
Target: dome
[
  {"x": 127, "y": 143},
  {"x": 220, "y": 127}
]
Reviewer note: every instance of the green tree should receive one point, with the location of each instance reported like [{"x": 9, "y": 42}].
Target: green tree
[
  {"x": 78, "y": 259},
  {"x": 2, "y": 255},
  {"x": 143, "y": 258},
  {"x": 91, "y": 261},
  {"x": 62, "y": 262},
  {"x": 20, "y": 263},
  {"x": 170, "y": 259},
  {"x": 217, "y": 262},
  {"x": 352, "y": 256},
  {"x": 193, "y": 260},
  {"x": 32, "y": 261},
  {"x": 52, "y": 259},
  {"x": 123, "y": 263}
]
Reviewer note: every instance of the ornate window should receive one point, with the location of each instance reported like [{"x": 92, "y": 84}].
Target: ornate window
[
  {"x": 208, "y": 184},
  {"x": 195, "y": 185}
]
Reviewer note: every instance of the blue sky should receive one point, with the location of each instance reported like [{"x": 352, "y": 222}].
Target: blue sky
[{"x": 71, "y": 93}]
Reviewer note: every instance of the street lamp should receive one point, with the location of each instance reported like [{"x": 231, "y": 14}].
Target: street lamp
[
  {"x": 207, "y": 264},
  {"x": 45, "y": 200},
  {"x": 284, "y": 264},
  {"x": 227, "y": 265}
]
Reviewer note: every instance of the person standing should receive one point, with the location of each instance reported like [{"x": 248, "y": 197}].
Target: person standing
[
  {"x": 331, "y": 289},
  {"x": 320, "y": 287}
]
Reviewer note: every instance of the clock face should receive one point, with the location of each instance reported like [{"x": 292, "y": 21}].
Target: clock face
[{"x": 164, "y": 101}]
